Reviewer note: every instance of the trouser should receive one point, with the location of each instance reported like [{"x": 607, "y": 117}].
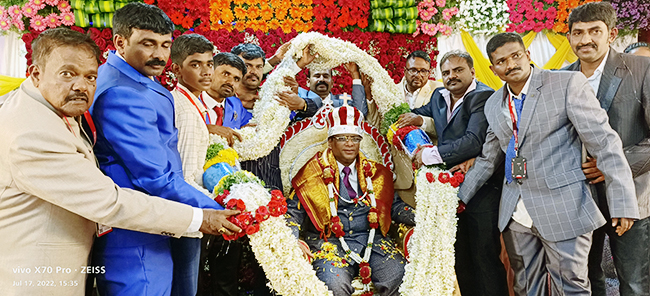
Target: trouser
[
  {"x": 185, "y": 255},
  {"x": 533, "y": 258}
]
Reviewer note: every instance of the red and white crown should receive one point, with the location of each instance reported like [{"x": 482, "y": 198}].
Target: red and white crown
[{"x": 344, "y": 120}]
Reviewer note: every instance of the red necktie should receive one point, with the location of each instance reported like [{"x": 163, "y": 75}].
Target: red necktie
[{"x": 219, "y": 111}]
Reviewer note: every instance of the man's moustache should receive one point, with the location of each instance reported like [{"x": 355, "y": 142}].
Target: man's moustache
[
  {"x": 76, "y": 96},
  {"x": 155, "y": 62},
  {"x": 513, "y": 69},
  {"x": 321, "y": 83},
  {"x": 249, "y": 76},
  {"x": 593, "y": 45},
  {"x": 453, "y": 80}
]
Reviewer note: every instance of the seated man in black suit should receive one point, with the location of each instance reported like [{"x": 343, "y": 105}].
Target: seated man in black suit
[{"x": 457, "y": 110}]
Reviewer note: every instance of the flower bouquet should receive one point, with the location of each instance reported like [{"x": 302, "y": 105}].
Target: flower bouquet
[
  {"x": 220, "y": 162},
  {"x": 430, "y": 246},
  {"x": 406, "y": 138}
]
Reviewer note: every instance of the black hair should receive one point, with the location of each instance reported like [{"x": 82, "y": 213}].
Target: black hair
[
  {"x": 458, "y": 54},
  {"x": 50, "y": 39},
  {"x": 249, "y": 51},
  {"x": 227, "y": 58},
  {"x": 593, "y": 11},
  {"x": 419, "y": 54},
  {"x": 187, "y": 45},
  {"x": 500, "y": 40},
  {"x": 636, "y": 45},
  {"x": 141, "y": 16}
]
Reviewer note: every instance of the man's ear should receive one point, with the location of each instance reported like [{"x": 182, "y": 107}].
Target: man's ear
[
  {"x": 120, "y": 43},
  {"x": 176, "y": 69},
  {"x": 492, "y": 68},
  {"x": 613, "y": 33},
  {"x": 35, "y": 74}
]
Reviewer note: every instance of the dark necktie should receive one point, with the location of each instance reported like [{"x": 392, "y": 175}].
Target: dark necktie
[
  {"x": 219, "y": 111},
  {"x": 346, "y": 181},
  {"x": 510, "y": 152}
]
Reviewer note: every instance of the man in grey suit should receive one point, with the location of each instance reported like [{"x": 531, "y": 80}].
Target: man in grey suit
[
  {"x": 622, "y": 84},
  {"x": 537, "y": 124}
]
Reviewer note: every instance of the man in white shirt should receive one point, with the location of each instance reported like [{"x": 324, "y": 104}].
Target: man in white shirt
[
  {"x": 621, "y": 83},
  {"x": 418, "y": 88}
]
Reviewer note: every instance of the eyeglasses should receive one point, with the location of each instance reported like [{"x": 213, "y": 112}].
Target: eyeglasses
[
  {"x": 343, "y": 139},
  {"x": 414, "y": 71}
]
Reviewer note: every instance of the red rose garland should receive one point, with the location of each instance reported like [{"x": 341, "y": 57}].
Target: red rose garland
[{"x": 249, "y": 221}]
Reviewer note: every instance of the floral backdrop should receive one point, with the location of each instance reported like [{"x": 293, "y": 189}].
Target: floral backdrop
[{"x": 387, "y": 29}]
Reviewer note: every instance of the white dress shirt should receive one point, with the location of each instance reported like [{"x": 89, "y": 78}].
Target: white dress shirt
[
  {"x": 431, "y": 155},
  {"x": 594, "y": 79}
]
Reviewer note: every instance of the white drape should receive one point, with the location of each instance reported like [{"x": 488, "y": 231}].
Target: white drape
[{"x": 12, "y": 55}]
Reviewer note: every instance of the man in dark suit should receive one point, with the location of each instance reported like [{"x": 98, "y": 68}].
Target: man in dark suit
[
  {"x": 622, "y": 85},
  {"x": 457, "y": 111}
]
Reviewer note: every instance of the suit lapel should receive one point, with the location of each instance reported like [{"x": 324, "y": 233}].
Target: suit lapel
[
  {"x": 610, "y": 82},
  {"x": 530, "y": 102},
  {"x": 504, "y": 122},
  {"x": 441, "y": 112}
]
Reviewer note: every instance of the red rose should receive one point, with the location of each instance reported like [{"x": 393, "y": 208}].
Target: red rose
[
  {"x": 101, "y": 43},
  {"x": 232, "y": 204},
  {"x": 454, "y": 182},
  {"x": 253, "y": 229},
  {"x": 107, "y": 34},
  {"x": 275, "y": 208},
  {"x": 78, "y": 29},
  {"x": 245, "y": 219},
  {"x": 365, "y": 272},
  {"x": 28, "y": 38},
  {"x": 337, "y": 227},
  {"x": 443, "y": 177},
  {"x": 94, "y": 33},
  {"x": 461, "y": 207},
  {"x": 430, "y": 177},
  {"x": 459, "y": 176},
  {"x": 262, "y": 214}
]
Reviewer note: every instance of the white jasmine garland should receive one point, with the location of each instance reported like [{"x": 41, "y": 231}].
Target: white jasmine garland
[
  {"x": 272, "y": 119},
  {"x": 431, "y": 247}
]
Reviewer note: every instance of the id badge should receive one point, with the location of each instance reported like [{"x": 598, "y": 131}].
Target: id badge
[
  {"x": 103, "y": 229},
  {"x": 519, "y": 168}
]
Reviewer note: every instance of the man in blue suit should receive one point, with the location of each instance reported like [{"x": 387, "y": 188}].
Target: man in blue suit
[
  {"x": 457, "y": 111},
  {"x": 225, "y": 110},
  {"x": 137, "y": 148}
]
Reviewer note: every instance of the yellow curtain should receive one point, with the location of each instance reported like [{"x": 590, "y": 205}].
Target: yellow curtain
[
  {"x": 563, "y": 51},
  {"x": 8, "y": 83},
  {"x": 481, "y": 64},
  {"x": 528, "y": 39}
]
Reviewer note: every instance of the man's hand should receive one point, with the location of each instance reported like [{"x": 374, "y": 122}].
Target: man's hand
[
  {"x": 225, "y": 132},
  {"x": 353, "y": 69},
  {"x": 291, "y": 100},
  {"x": 417, "y": 157},
  {"x": 279, "y": 54},
  {"x": 307, "y": 57},
  {"x": 215, "y": 222},
  {"x": 464, "y": 166},
  {"x": 592, "y": 172},
  {"x": 292, "y": 83},
  {"x": 407, "y": 119},
  {"x": 624, "y": 225},
  {"x": 305, "y": 251}
]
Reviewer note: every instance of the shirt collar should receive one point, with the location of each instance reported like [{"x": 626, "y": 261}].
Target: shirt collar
[
  {"x": 601, "y": 67},
  {"x": 117, "y": 53},
  {"x": 211, "y": 102},
  {"x": 447, "y": 95},
  {"x": 524, "y": 90},
  {"x": 352, "y": 166}
]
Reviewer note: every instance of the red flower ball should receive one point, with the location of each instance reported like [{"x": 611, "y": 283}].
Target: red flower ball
[
  {"x": 365, "y": 272},
  {"x": 443, "y": 177},
  {"x": 337, "y": 227},
  {"x": 262, "y": 214},
  {"x": 459, "y": 176},
  {"x": 253, "y": 229}
]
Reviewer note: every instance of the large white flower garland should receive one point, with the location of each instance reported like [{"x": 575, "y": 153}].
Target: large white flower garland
[
  {"x": 276, "y": 249},
  {"x": 272, "y": 119},
  {"x": 431, "y": 247}
]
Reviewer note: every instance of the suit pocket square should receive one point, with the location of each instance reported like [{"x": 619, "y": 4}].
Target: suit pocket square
[{"x": 558, "y": 180}]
